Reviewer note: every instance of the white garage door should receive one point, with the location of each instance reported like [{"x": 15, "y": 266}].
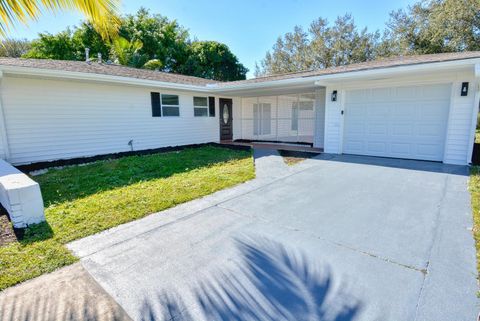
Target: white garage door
[{"x": 402, "y": 122}]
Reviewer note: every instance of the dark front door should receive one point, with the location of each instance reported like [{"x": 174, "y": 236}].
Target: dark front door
[{"x": 226, "y": 126}]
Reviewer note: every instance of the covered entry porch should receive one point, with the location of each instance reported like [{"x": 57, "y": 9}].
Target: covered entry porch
[{"x": 293, "y": 118}]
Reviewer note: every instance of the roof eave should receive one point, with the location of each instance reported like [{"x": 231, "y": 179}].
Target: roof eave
[
  {"x": 399, "y": 70},
  {"x": 319, "y": 80},
  {"x": 75, "y": 75},
  {"x": 322, "y": 80}
]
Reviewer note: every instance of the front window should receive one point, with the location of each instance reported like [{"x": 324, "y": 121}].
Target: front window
[
  {"x": 170, "y": 105},
  {"x": 200, "y": 106}
]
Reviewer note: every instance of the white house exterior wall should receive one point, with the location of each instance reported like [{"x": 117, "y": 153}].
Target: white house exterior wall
[
  {"x": 319, "y": 138},
  {"x": 458, "y": 144},
  {"x": 52, "y": 119},
  {"x": 460, "y": 127}
]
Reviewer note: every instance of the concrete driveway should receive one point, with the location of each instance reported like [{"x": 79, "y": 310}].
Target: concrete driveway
[{"x": 333, "y": 238}]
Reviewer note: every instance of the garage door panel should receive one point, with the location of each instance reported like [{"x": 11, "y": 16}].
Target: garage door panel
[
  {"x": 381, "y": 94},
  {"x": 358, "y": 96},
  {"x": 433, "y": 111},
  {"x": 356, "y": 129},
  {"x": 401, "y": 149},
  {"x": 431, "y": 130},
  {"x": 440, "y": 92},
  {"x": 404, "y": 111},
  {"x": 406, "y": 93},
  {"x": 376, "y": 147},
  {"x": 404, "y": 122},
  {"x": 357, "y": 147},
  {"x": 429, "y": 150},
  {"x": 405, "y": 129},
  {"x": 377, "y": 129}
]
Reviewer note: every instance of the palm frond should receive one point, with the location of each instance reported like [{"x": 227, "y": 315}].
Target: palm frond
[{"x": 103, "y": 14}]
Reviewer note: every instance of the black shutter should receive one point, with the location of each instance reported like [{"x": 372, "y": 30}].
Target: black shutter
[
  {"x": 156, "y": 108},
  {"x": 211, "y": 106}
]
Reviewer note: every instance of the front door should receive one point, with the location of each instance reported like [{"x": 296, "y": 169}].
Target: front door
[{"x": 226, "y": 126}]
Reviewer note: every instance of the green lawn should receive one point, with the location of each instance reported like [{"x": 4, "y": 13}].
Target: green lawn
[
  {"x": 475, "y": 192},
  {"x": 83, "y": 200}
]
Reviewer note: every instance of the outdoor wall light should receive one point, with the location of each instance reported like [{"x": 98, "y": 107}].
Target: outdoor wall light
[
  {"x": 334, "y": 95},
  {"x": 464, "y": 91}
]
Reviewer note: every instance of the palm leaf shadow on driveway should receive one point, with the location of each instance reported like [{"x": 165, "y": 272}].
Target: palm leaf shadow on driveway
[{"x": 270, "y": 282}]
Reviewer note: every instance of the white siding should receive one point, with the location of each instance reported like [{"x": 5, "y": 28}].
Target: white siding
[
  {"x": 333, "y": 122},
  {"x": 3, "y": 152},
  {"x": 51, "y": 119},
  {"x": 457, "y": 145},
  {"x": 237, "y": 118},
  {"x": 319, "y": 118}
]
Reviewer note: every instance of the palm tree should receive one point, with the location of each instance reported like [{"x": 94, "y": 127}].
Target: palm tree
[{"x": 101, "y": 13}]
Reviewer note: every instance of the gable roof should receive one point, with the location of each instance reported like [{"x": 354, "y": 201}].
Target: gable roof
[
  {"x": 165, "y": 77},
  {"x": 105, "y": 69}
]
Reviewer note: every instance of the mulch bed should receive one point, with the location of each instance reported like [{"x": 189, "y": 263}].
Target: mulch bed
[{"x": 292, "y": 157}]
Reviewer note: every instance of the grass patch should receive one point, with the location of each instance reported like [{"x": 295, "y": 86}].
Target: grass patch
[
  {"x": 475, "y": 193},
  {"x": 83, "y": 200}
]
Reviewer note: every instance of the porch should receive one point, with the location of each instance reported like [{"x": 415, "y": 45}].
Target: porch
[{"x": 294, "y": 120}]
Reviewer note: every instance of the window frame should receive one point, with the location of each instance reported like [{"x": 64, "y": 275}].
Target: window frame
[
  {"x": 207, "y": 107},
  {"x": 162, "y": 105}
]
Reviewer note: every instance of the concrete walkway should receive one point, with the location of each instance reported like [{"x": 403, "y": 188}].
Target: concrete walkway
[
  {"x": 332, "y": 238},
  {"x": 269, "y": 163}
]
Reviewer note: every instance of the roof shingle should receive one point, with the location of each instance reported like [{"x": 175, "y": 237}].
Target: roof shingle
[
  {"x": 122, "y": 71},
  {"x": 105, "y": 69},
  {"x": 374, "y": 64}
]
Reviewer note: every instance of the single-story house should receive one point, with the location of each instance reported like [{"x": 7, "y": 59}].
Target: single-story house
[{"x": 414, "y": 107}]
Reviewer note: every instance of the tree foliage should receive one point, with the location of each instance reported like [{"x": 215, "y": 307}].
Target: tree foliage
[
  {"x": 212, "y": 60},
  {"x": 14, "y": 47},
  {"x": 59, "y": 46},
  {"x": 128, "y": 53},
  {"x": 436, "y": 26},
  {"x": 162, "y": 39},
  {"x": 147, "y": 41},
  {"x": 429, "y": 26},
  {"x": 322, "y": 46}
]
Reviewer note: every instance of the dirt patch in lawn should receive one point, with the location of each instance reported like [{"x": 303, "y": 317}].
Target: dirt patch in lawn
[
  {"x": 291, "y": 157},
  {"x": 7, "y": 233}
]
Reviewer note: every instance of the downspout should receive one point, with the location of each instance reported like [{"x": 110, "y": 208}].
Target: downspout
[{"x": 3, "y": 127}]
